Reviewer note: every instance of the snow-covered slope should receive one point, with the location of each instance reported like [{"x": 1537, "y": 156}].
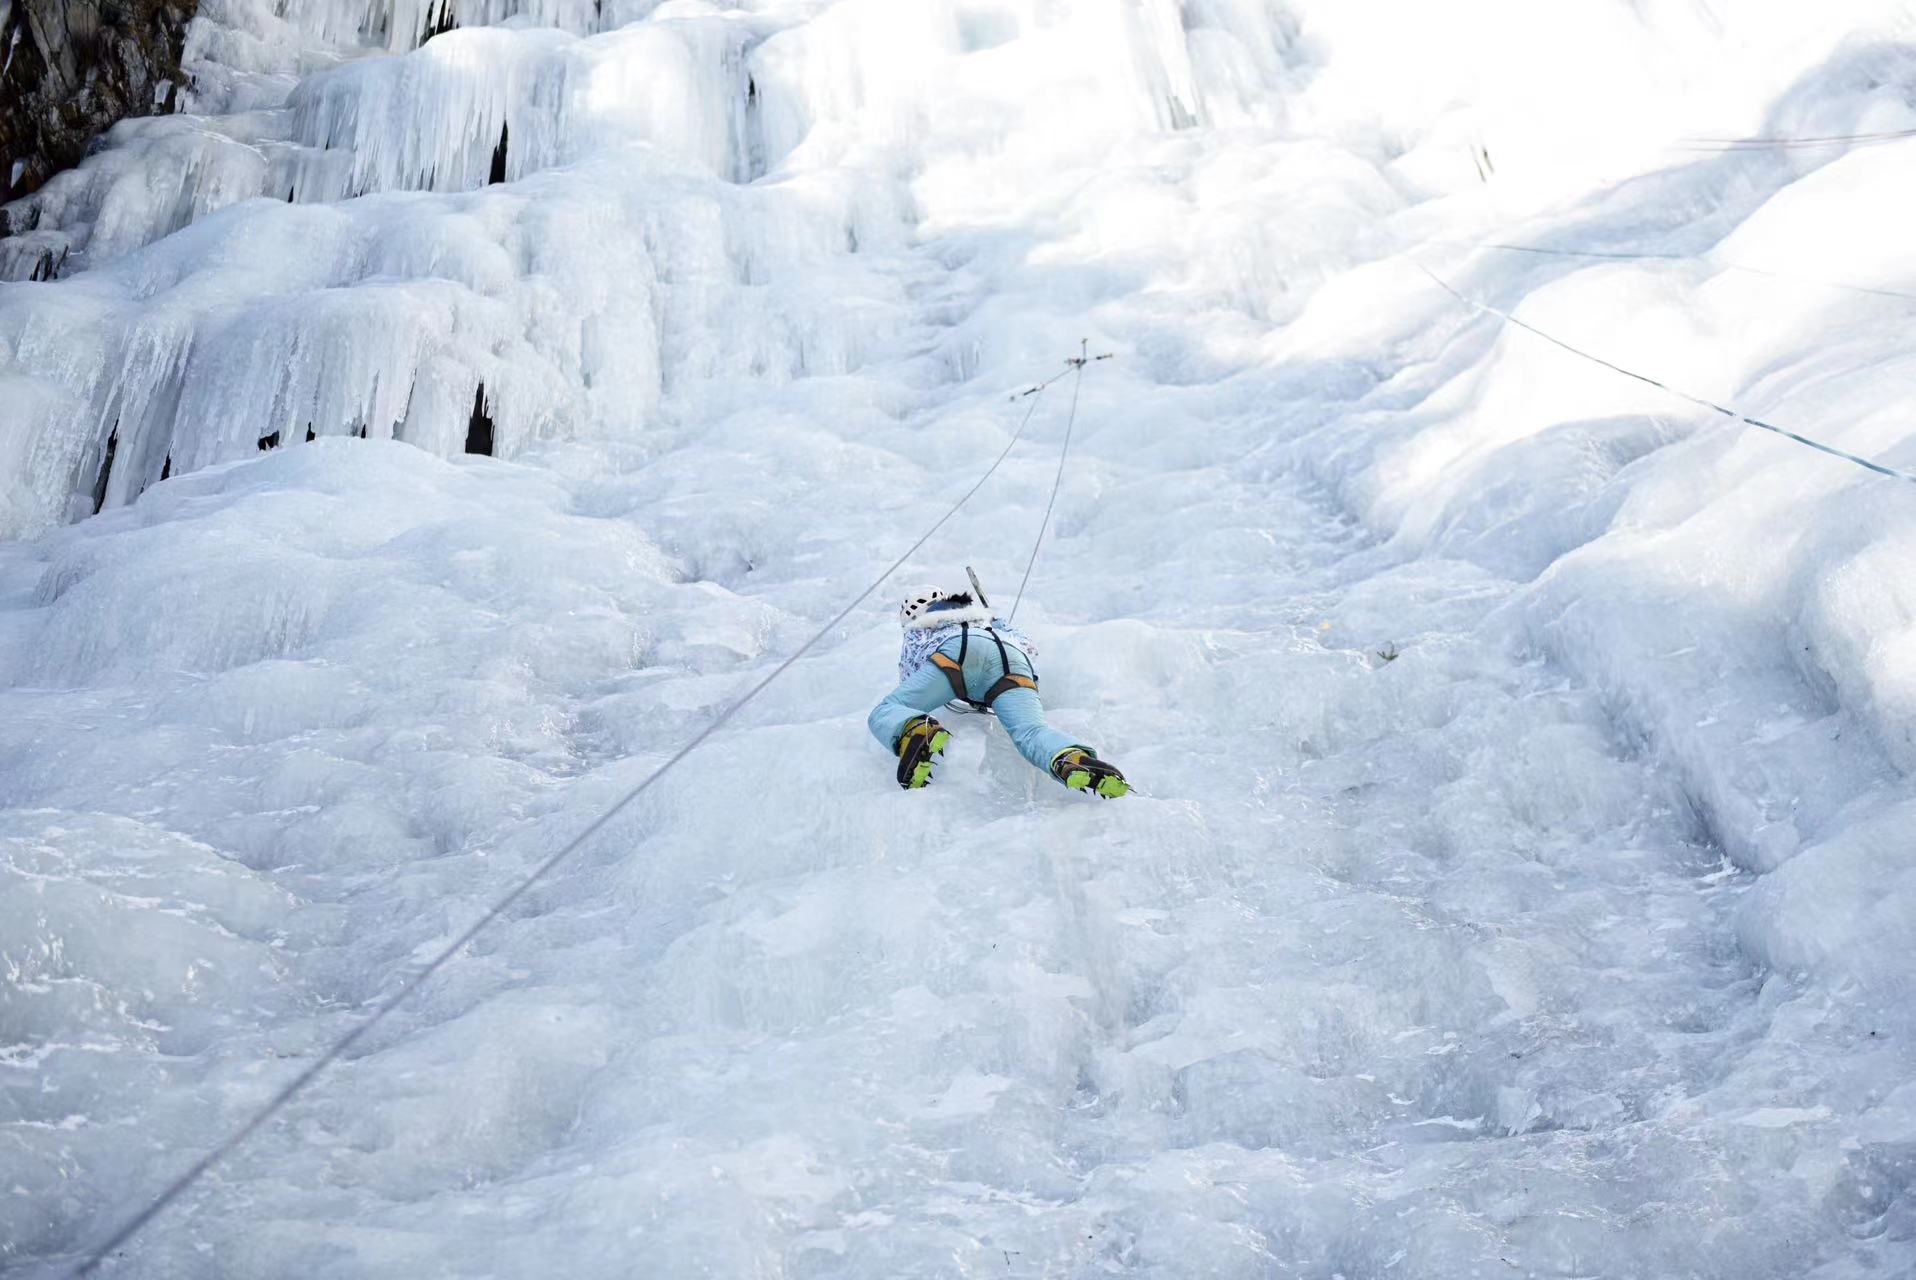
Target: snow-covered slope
[{"x": 1522, "y": 881}]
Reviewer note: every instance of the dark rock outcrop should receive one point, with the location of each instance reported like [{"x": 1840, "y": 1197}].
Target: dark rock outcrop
[
  {"x": 72, "y": 69},
  {"x": 479, "y": 430}
]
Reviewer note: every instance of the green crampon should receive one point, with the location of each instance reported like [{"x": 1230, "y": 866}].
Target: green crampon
[
  {"x": 918, "y": 746},
  {"x": 1110, "y": 787},
  {"x": 1082, "y": 771}
]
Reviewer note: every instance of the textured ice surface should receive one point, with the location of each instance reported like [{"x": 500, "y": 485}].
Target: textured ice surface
[{"x": 1522, "y": 880}]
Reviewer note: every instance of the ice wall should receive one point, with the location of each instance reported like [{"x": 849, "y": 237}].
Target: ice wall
[{"x": 1532, "y": 750}]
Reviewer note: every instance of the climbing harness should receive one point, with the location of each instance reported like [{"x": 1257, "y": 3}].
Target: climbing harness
[{"x": 954, "y": 669}]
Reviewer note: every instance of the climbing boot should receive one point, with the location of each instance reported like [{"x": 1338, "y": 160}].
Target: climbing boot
[
  {"x": 922, "y": 740},
  {"x": 1082, "y": 771}
]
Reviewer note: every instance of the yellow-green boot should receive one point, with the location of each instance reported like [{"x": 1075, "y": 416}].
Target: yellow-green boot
[
  {"x": 922, "y": 741},
  {"x": 1078, "y": 769}
]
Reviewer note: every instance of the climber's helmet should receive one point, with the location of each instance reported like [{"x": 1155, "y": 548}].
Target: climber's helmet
[{"x": 916, "y": 603}]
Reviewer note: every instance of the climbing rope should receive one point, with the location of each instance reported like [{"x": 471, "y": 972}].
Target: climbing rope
[
  {"x": 1077, "y": 363},
  {"x": 1867, "y": 464},
  {"x": 298, "y": 1083},
  {"x": 1785, "y": 144}
]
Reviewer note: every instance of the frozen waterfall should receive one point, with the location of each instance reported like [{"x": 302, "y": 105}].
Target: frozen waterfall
[{"x": 411, "y": 443}]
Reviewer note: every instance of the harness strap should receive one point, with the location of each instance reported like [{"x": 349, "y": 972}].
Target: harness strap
[
  {"x": 954, "y": 670},
  {"x": 1006, "y": 685}
]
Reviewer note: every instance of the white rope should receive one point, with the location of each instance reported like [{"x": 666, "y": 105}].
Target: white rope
[
  {"x": 1866, "y": 463},
  {"x": 1784, "y": 144},
  {"x": 1077, "y": 364}
]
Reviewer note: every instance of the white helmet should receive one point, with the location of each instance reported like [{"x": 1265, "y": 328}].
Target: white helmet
[
  {"x": 917, "y": 602},
  {"x": 929, "y": 608}
]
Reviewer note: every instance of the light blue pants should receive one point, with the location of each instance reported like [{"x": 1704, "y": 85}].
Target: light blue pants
[{"x": 1018, "y": 710}]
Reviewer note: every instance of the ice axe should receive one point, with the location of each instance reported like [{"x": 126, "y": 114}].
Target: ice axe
[{"x": 976, "y": 590}]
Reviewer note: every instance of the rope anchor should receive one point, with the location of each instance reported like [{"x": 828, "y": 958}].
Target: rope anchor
[{"x": 1074, "y": 363}]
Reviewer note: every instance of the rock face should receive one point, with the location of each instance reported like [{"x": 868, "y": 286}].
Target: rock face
[{"x": 74, "y": 67}]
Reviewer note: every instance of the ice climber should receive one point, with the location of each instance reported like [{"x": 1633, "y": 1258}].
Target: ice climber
[{"x": 955, "y": 648}]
